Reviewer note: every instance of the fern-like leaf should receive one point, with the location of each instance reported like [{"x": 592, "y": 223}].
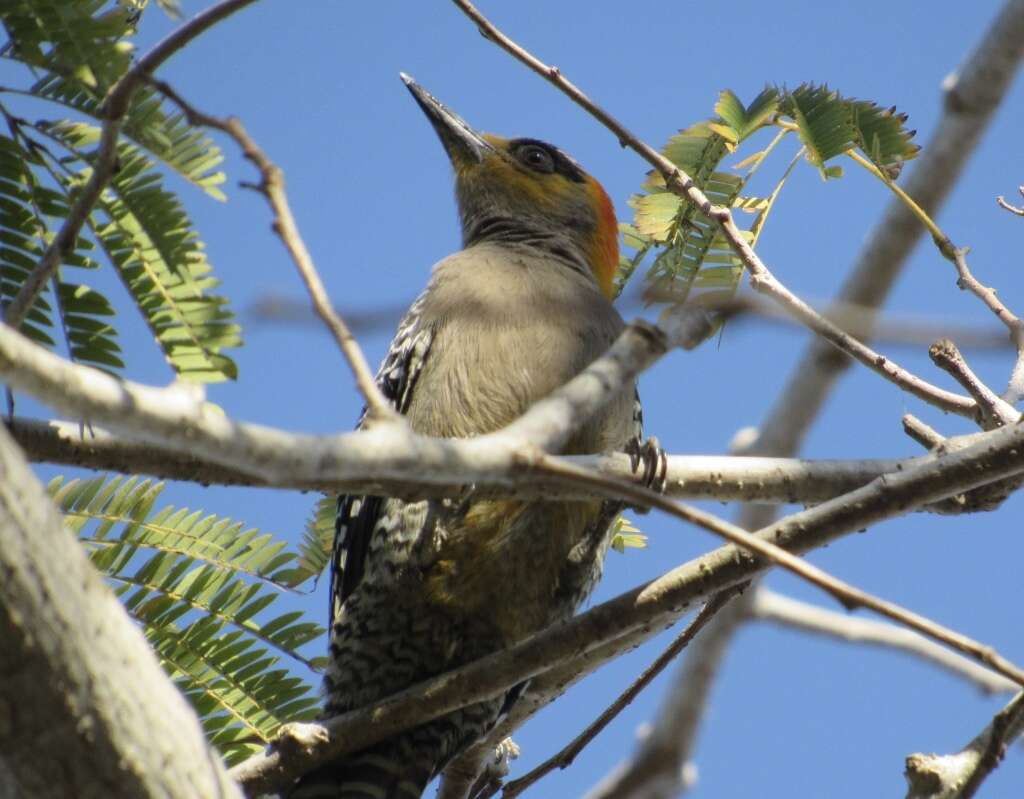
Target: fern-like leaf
[
  {"x": 318, "y": 537},
  {"x": 830, "y": 125},
  {"x": 167, "y": 135},
  {"x": 79, "y": 39},
  {"x": 150, "y": 239},
  {"x": 202, "y": 589}
]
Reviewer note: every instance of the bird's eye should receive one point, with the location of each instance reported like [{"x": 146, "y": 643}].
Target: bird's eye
[{"x": 536, "y": 157}]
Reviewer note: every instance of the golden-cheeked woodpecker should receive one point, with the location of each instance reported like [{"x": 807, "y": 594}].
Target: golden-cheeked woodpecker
[{"x": 419, "y": 588}]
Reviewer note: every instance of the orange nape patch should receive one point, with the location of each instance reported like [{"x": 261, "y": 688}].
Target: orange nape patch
[{"x": 604, "y": 249}]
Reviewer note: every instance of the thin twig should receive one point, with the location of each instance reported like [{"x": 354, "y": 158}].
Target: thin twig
[
  {"x": 968, "y": 282},
  {"x": 272, "y": 187},
  {"x": 661, "y": 765},
  {"x": 923, "y": 433},
  {"x": 772, "y": 607},
  {"x": 564, "y": 758},
  {"x": 1013, "y": 209},
  {"x": 993, "y": 410},
  {"x": 761, "y": 279},
  {"x": 113, "y": 111}
]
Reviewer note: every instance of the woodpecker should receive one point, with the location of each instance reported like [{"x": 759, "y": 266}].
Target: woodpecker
[{"x": 420, "y": 588}]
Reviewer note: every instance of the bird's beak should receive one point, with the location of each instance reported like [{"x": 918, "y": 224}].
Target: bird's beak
[{"x": 463, "y": 144}]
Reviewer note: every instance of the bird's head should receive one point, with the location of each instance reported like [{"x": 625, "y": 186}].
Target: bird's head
[{"x": 526, "y": 191}]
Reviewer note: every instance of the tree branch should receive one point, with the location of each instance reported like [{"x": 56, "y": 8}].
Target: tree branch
[
  {"x": 87, "y": 710},
  {"x": 565, "y": 757},
  {"x": 659, "y": 767},
  {"x": 966, "y": 281},
  {"x": 782, "y": 610},
  {"x": 993, "y": 410},
  {"x": 720, "y": 478}
]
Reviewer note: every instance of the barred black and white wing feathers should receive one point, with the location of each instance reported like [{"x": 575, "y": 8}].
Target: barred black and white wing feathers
[{"x": 357, "y": 514}]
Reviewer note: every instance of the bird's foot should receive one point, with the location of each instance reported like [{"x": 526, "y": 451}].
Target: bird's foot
[{"x": 652, "y": 459}]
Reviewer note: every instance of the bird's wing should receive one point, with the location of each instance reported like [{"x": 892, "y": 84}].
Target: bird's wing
[{"x": 357, "y": 514}]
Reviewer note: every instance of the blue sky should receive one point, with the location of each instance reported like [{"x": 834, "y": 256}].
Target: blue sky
[{"x": 316, "y": 83}]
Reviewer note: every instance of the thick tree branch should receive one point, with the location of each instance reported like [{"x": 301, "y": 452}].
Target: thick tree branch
[
  {"x": 721, "y": 478},
  {"x": 115, "y": 106},
  {"x": 86, "y": 708},
  {"x": 849, "y": 596},
  {"x": 638, "y": 614}
]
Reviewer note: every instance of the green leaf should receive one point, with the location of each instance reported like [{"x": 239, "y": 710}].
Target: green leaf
[
  {"x": 167, "y": 135},
  {"x": 824, "y": 120},
  {"x": 318, "y": 538},
  {"x": 830, "y": 125},
  {"x": 79, "y": 39},
  {"x": 882, "y": 136},
  {"x": 746, "y": 121},
  {"x": 90, "y": 340},
  {"x": 625, "y": 535},
  {"x": 150, "y": 239}
]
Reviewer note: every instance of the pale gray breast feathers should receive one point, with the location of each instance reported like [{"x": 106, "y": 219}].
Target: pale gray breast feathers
[{"x": 511, "y": 325}]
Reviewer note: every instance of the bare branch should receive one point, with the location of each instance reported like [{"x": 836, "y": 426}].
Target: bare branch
[
  {"x": 659, "y": 768},
  {"x": 924, "y": 434},
  {"x": 1013, "y": 209},
  {"x": 607, "y": 629},
  {"x": 972, "y": 93},
  {"x": 761, "y": 278},
  {"x": 272, "y": 187},
  {"x": 770, "y": 606},
  {"x": 968, "y": 282},
  {"x": 74, "y": 671},
  {"x": 115, "y": 106},
  {"x": 960, "y": 775},
  {"x": 721, "y": 478},
  {"x": 993, "y": 411}
]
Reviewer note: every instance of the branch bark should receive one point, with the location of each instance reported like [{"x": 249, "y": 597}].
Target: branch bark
[
  {"x": 713, "y": 477},
  {"x": 86, "y": 708}
]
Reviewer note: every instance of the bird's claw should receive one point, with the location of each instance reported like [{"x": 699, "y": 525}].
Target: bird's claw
[{"x": 649, "y": 455}]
